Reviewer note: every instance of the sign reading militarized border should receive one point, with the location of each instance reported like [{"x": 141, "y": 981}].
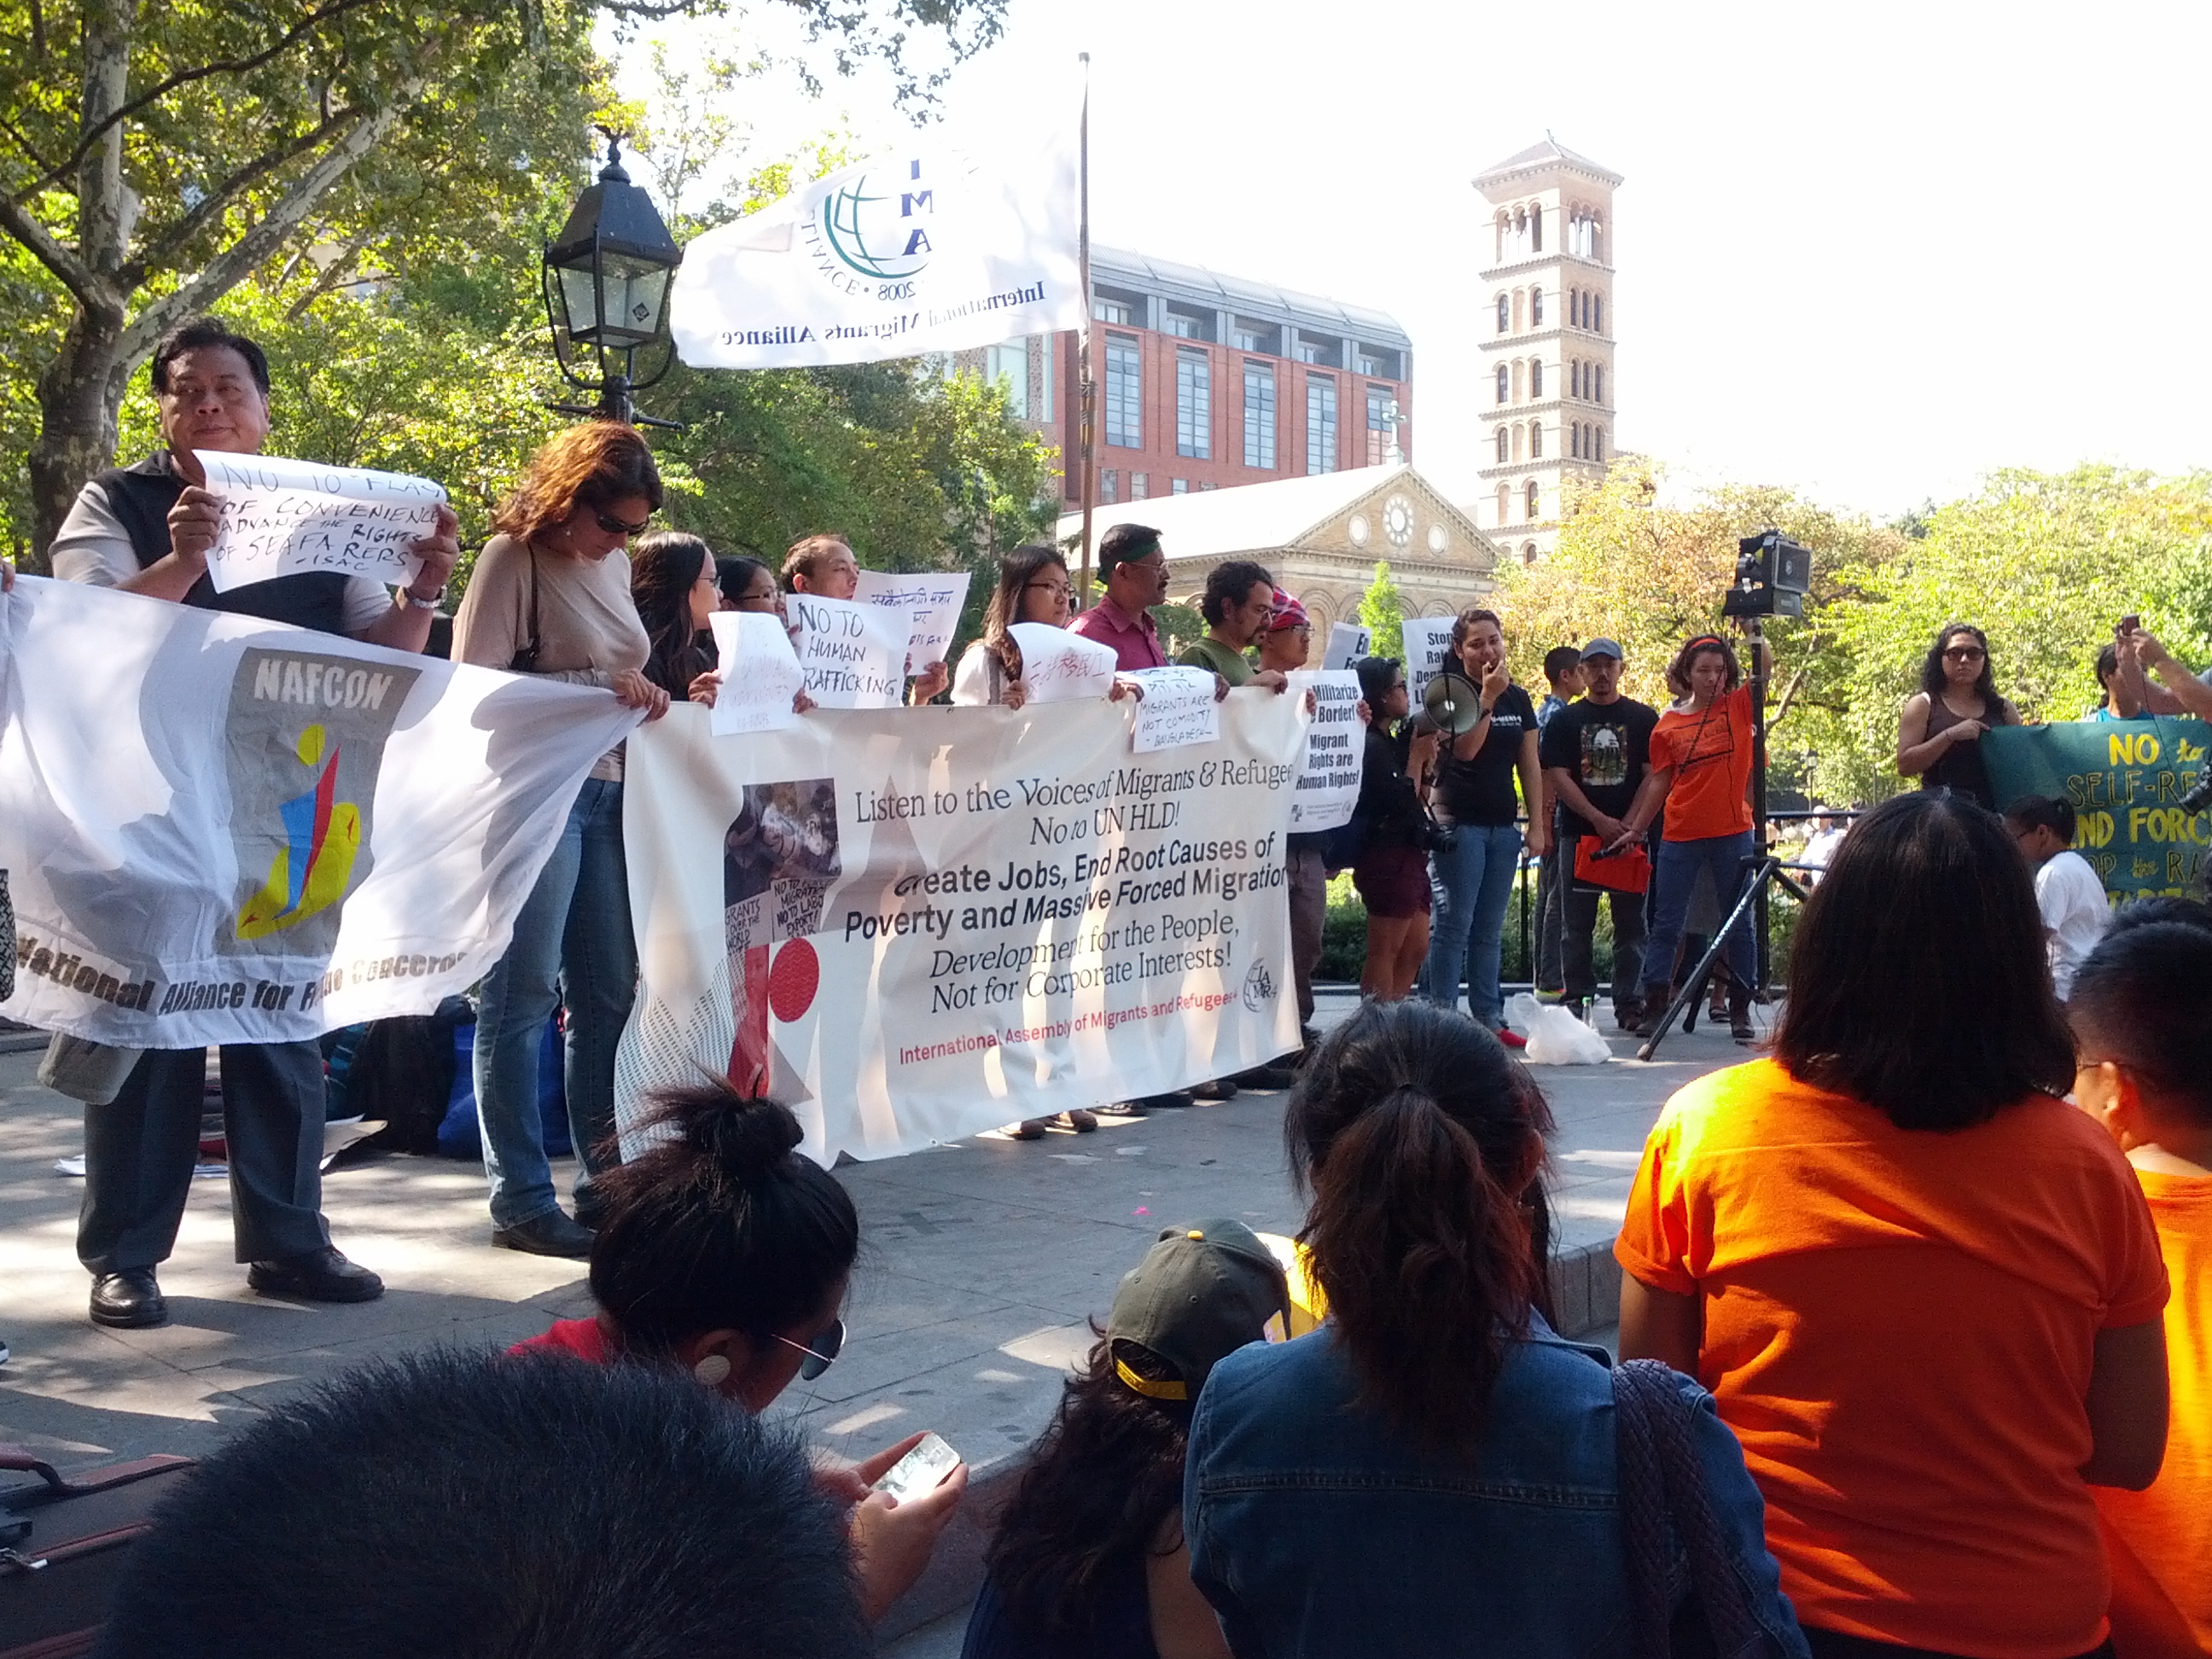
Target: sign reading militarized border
[
  {"x": 2125, "y": 779},
  {"x": 919, "y": 251}
]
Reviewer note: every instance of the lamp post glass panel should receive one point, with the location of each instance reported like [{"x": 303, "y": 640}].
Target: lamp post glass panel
[{"x": 606, "y": 289}]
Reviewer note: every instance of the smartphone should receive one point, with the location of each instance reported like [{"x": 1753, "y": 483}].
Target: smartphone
[
  {"x": 2131, "y": 622},
  {"x": 920, "y": 1471}
]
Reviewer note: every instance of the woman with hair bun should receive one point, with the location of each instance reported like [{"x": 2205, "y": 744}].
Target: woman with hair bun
[
  {"x": 1433, "y": 1471},
  {"x": 726, "y": 1254}
]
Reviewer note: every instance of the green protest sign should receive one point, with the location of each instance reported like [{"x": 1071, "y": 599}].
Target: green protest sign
[{"x": 2125, "y": 780}]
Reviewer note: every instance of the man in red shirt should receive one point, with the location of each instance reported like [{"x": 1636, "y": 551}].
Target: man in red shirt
[{"x": 1135, "y": 571}]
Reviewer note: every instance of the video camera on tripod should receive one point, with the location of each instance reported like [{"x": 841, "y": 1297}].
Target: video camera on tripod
[{"x": 1773, "y": 574}]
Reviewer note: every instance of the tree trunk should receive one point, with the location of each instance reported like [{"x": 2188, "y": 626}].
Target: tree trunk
[{"x": 79, "y": 394}]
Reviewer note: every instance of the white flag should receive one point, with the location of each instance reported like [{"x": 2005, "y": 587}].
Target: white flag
[{"x": 922, "y": 250}]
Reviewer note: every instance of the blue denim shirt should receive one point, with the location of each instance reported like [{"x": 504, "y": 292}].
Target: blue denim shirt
[{"x": 1317, "y": 1529}]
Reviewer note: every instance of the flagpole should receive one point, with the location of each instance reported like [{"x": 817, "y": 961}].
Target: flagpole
[{"x": 1087, "y": 391}]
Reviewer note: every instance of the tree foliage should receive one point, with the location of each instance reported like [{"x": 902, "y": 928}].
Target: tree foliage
[{"x": 1383, "y": 614}]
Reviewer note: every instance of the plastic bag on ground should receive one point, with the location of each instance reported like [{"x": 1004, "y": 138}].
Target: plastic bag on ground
[{"x": 1555, "y": 1037}]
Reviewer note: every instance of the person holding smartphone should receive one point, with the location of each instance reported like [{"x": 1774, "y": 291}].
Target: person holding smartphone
[{"x": 726, "y": 1255}]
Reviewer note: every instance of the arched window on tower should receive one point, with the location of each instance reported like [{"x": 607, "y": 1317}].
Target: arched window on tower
[
  {"x": 1528, "y": 552},
  {"x": 1535, "y": 377},
  {"x": 1504, "y": 442},
  {"x": 1575, "y": 378},
  {"x": 1597, "y": 313},
  {"x": 1597, "y": 384},
  {"x": 1597, "y": 443},
  {"x": 1535, "y": 441},
  {"x": 1503, "y": 381},
  {"x": 1504, "y": 313},
  {"x": 1575, "y": 439},
  {"x": 1535, "y": 230},
  {"x": 1535, "y": 307},
  {"x": 1535, "y": 499}
]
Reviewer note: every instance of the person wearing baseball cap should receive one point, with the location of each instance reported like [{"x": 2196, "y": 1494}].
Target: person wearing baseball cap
[
  {"x": 1595, "y": 753},
  {"x": 1089, "y": 1561}
]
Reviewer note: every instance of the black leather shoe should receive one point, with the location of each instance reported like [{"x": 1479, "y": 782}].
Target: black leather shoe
[
  {"x": 322, "y": 1275},
  {"x": 130, "y": 1301},
  {"x": 550, "y": 1234},
  {"x": 1270, "y": 1076},
  {"x": 1219, "y": 1088}
]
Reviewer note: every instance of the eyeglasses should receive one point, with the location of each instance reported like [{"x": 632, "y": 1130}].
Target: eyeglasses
[
  {"x": 828, "y": 1343},
  {"x": 1062, "y": 588},
  {"x": 614, "y": 526},
  {"x": 1963, "y": 653}
]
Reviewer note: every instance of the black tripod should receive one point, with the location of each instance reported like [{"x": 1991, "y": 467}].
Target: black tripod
[{"x": 1769, "y": 871}]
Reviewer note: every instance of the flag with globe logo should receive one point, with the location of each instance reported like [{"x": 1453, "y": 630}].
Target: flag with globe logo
[{"x": 921, "y": 250}]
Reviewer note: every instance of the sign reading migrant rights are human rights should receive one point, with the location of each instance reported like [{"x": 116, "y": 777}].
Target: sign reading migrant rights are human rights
[{"x": 921, "y": 250}]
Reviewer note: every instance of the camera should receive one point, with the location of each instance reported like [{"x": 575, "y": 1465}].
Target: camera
[
  {"x": 2199, "y": 795},
  {"x": 1773, "y": 574}
]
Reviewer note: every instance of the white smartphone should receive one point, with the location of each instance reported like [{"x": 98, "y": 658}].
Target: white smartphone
[{"x": 920, "y": 1470}]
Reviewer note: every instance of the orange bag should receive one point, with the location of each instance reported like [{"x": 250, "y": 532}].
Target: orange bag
[{"x": 1626, "y": 872}]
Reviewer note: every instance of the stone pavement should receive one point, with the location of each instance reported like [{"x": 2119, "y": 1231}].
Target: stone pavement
[{"x": 981, "y": 1264}]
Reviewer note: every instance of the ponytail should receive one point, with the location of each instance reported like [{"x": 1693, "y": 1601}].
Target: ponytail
[
  {"x": 719, "y": 1225},
  {"x": 1420, "y": 1142}
]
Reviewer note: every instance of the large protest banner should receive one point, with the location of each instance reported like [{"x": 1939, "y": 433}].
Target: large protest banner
[
  {"x": 912, "y": 924},
  {"x": 2125, "y": 779},
  {"x": 222, "y": 829}
]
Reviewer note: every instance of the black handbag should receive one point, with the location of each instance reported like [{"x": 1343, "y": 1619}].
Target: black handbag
[{"x": 62, "y": 1543}]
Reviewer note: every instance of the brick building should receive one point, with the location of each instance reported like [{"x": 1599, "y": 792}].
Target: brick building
[{"x": 1207, "y": 381}]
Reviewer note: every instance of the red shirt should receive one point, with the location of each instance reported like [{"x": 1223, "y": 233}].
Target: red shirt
[
  {"x": 1135, "y": 640},
  {"x": 579, "y": 1339}
]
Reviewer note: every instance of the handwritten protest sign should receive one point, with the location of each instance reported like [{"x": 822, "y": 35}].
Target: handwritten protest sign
[
  {"x": 1347, "y": 644},
  {"x": 760, "y": 672},
  {"x": 1178, "y": 708},
  {"x": 931, "y": 601},
  {"x": 852, "y": 655},
  {"x": 2125, "y": 781},
  {"x": 1058, "y": 666},
  {"x": 1328, "y": 784},
  {"x": 1428, "y": 642},
  {"x": 281, "y": 517}
]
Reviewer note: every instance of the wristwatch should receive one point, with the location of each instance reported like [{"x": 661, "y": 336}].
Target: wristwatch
[{"x": 425, "y": 601}]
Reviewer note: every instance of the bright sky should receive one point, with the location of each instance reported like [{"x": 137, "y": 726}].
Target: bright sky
[{"x": 1871, "y": 254}]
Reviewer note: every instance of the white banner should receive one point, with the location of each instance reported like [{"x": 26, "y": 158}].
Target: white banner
[
  {"x": 1328, "y": 785},
  {"x": 220, "y": 829},
  {"x": 913, "y": 924},
  {"x": 1428, "y": 642},
  {"x": 282, "y": 516},
  {"x": 930, "y": 600},
  {"x": 921, "y": 251},
  {"x": 854, "y": 656},
  {"x": 760, "y": 676}
]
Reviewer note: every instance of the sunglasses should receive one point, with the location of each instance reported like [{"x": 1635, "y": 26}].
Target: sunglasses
[
  {"x": 1964, "y": 653},
  {"x": 614, "y": 526},
  {"x": 828, "y": 1343}
]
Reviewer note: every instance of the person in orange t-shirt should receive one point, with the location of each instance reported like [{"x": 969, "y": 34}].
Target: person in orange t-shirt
[
  {"x": 1700, "y": 772},
  {"x": 2141, "y": 1007},
  {"x": 1923, "y": 1290}
]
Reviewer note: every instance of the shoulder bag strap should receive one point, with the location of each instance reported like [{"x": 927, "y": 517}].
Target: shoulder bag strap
[{"x": 525, "y": 660}]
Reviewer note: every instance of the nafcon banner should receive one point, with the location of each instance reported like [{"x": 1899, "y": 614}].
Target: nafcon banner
[
  {"x": 911, "y": 925},
  {"x": 2125, "y": 780},
  {"x": 220, "y": 829},
  {"x": 923, "y": 250}
]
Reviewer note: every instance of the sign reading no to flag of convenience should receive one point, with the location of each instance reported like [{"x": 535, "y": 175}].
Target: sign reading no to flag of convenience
[{"x": 921, "y": 251}]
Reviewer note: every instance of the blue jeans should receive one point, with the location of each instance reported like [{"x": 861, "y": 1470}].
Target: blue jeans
[
  {"x": 1676, "y": 878},
  {"x": 572, "y": 947},
  {"x": 1470, "y": 889}
]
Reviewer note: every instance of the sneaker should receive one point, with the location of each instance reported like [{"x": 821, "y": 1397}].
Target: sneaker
[
  {"x": 1081, "y": 1122},
  {"x": 1511, "y": 1038}
]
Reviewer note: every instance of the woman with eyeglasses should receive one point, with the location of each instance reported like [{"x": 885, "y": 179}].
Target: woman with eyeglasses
[
  {"x": 725, "y": 1253},
  {"x": 747, "y": 585},
  {"x": 673, "y": 582},
  {"x": 551, "y": 595},
  {"x": 1939, "y": 734}
]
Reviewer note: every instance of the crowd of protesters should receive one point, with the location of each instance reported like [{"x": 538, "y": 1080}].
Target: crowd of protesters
[{"x": 1984, "y": 1131}]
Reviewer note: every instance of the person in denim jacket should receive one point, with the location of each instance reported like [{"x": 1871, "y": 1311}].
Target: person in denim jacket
[{"x": 1433, "y": 1471}]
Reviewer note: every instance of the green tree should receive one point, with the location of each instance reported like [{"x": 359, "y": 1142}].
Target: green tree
[
  {"x": 1383, "y": 614},
  {"x": 159, "y": 157}
]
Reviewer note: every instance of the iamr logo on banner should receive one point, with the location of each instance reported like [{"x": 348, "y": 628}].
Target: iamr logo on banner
[
  {"x": 1259, "y": 987},
  {"x": 302, "y": 747},
  {"x": 871, "y": 239}
]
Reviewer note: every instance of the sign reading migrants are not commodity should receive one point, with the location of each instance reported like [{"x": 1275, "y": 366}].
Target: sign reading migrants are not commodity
[
  {"x": 914, "y": 925},
  {"x": 2125, "y": 779},
  {"x": 241, "y": 832}
]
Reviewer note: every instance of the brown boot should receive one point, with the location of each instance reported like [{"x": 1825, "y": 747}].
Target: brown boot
[{"x": 1739, "y": 1015}]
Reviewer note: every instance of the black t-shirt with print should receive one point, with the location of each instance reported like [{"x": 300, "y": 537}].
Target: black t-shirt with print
[
  {"x": 1480, "y": 790},
  {"x": 1606, "y": 748}
]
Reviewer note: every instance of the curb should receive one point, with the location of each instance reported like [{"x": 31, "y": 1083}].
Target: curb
[{"x": 1585, "y": 1289}]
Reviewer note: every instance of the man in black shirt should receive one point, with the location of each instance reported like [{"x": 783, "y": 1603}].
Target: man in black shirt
[{"x": 1594, "y": 752}]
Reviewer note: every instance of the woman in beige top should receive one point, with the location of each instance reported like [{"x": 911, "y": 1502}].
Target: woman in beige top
[{"x": 551, "y": 595}]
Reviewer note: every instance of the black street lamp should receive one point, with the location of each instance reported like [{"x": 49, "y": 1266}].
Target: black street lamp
[{"x": 606, "y": 292}]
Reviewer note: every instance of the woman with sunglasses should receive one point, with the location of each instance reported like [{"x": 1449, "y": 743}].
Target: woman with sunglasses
[
  {"x": 551, "y": 595},
  {"x": 1939, "y": 734},
  {"x": 726, "y": 1254}
]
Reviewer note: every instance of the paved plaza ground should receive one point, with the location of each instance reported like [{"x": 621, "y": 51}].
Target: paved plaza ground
[{"x": 982, "y": 1263}]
